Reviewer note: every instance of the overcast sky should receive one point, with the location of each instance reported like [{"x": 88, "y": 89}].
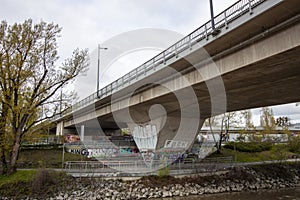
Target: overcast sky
[{"x": 87, "y": 23}]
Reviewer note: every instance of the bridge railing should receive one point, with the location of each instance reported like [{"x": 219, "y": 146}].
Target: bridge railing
[{"x": 203, "y": 32}]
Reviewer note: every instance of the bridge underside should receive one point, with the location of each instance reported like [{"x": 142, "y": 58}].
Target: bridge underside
[
  {"x": 262, "y": 81},
  {"x": 262, "y": 72}
]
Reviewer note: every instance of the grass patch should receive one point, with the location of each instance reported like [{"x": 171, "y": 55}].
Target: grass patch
[
  {"x": 276, "y": 152},
  {"x": 251, "y": 147},
  {"x": 40, "y": 183},
  {"x": 19, "y": 176},
  {"x": 17, "y": 185}
]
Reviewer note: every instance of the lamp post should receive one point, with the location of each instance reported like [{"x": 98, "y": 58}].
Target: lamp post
[
  {"x": 212, "y": 14},
  {"x": 214, "y": 30},
  {"x": 98, "y": 67}
]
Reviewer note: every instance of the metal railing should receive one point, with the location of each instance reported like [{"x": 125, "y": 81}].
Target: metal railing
[
  {"x": 139, "y": 166},
  {"x": 52, "y": 140},
  {"x": 159, "y": 61}
]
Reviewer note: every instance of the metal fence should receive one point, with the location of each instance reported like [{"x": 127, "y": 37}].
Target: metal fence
[
  {"x": 159, "y": 61},
  {"x": 139, "y": 166},
  {"x": 51, "y": 140}
]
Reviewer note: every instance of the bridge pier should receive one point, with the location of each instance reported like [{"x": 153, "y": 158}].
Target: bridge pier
[
  {"x": 165, "y": 138},
  {"x": 60, "y": 128}
]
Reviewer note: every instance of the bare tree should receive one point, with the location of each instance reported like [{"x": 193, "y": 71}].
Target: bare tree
[
  {"x": 225, "y": 121},
  {"x": 247, "y": 115},
  {"x": 30, "y": 82},
  {"x": 267, "y": 120}
]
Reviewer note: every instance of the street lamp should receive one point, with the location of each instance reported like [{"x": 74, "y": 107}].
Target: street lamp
[
  {"x": 98, "y": 67},
  {"x": 214, "y": 30}
]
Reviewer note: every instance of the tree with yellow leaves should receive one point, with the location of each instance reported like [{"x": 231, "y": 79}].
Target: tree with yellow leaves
[{"x": 30, "y": 82}]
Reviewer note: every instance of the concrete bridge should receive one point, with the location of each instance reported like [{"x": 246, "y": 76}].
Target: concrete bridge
[{"x": 251, "y": 59}]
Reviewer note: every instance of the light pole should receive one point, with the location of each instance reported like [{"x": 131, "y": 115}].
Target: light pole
[
  {"x": 212, "y": 14},
  {"x": 98, "y": 67},
  {"x": 214, "y": 30}
]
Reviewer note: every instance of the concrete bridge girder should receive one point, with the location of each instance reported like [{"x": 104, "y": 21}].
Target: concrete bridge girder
[
  {"x": 260, "y": 59},
  {"x": 247, "y": 55}
]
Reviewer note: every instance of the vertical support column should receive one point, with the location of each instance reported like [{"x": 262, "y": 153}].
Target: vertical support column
[
  {"x": 82, "y": 132},
  {"x": 60, "y": 128},
  {"x": 145, "y": 136}
]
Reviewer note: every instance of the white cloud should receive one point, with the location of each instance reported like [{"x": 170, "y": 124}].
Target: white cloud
[
  {"x": 290, "y": 110},
  {"x": 87, "y": 23}
]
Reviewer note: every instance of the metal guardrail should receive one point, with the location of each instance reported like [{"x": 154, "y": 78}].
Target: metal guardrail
[
  {"x": 53, "y": 140},
  {"x": 202, "y": 33},
  {"x": 139, "y": 166}
]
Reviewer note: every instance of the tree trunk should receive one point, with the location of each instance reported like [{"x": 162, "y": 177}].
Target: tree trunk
[
  {"x": 219, "y": 145},
  {"x": 3, "y": 124},
  {"x": 12, "y": 167},
  {"x": 3, "y": 162},
  {"x": 220, "y": 142}
]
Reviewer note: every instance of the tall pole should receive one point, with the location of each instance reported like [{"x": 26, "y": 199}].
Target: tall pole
[
  {"x": 63, "y": 155},
  {"x": 98, "y": 68},
  {"x": 60, "y": 103},
  {"x": 98, "y": 71},
  {"x": 212, "y": 15}
]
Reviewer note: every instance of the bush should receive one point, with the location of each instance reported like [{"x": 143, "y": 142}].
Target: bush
[
  {"x": 250, "y": 147},
  {"x": 294, "y": 145},
  {"x": 42, "y": 181},
  {"x": 47, "y": 181},
  {"x": 163, "y": 172}
]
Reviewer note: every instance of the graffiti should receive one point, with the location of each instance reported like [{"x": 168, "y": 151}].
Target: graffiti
[
  {"x": 71, "y": 138},
  {"x": 148, "y": 157},
  {"x": 82, "y": 152},
  {"x": 128, "y": 151},
  {"x": 170, "y": 156},
  {"x": 145, "y": 136},
  {"x": 101, "y": 152},
  {"x": 176, "y": 144}
]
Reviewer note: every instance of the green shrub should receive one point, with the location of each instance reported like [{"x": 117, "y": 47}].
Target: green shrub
[
  {"x": 48, "y": 181},
  {"x": 163, "y": 172},
  {"x": 294, "y": 145},
  {"x": 250, "y": 147}
]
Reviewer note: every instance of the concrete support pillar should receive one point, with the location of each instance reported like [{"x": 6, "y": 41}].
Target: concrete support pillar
[
  {"x": 146, "y": 135},
  {"x": 179, "y": 133},
  {"x": 60, "y": 128},
  {"x": 165, "y": 139},
  {"x": 82, "y": 133}
]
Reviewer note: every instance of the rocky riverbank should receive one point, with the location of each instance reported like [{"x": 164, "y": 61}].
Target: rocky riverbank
[{"x": 234, "y": 180}]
